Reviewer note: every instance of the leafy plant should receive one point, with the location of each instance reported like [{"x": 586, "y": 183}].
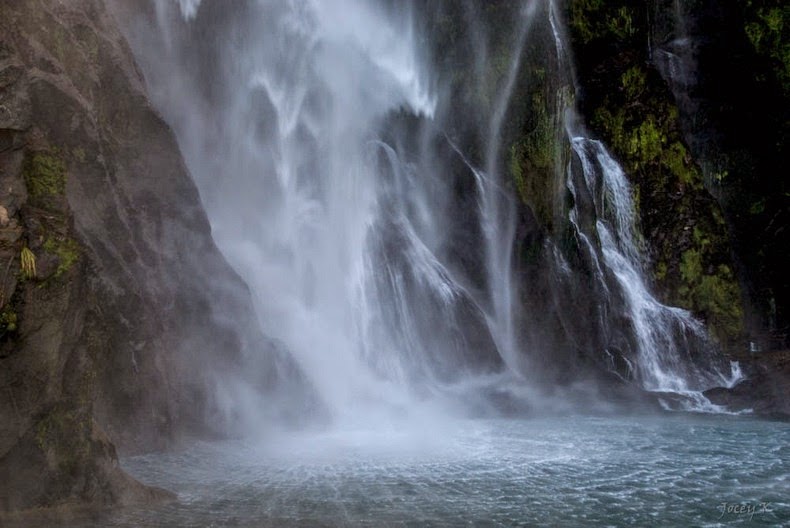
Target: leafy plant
[{"x": 28, "y": 263}]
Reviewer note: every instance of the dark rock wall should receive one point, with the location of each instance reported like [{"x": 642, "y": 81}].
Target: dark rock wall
[
  {"x": 118, "y": 313},
  {"x": 728, "y": 64},
  {"x": 692, "y": 98}
]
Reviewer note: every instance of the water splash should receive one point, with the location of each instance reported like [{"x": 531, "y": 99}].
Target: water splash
[
  {"x": 313, "y": 131},
  {"x": 188, "y": 8},
  {"x": 314, "y": 149}
]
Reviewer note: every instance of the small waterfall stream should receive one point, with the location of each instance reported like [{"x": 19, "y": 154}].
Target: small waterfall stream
[{"x": 673, "y": 352}]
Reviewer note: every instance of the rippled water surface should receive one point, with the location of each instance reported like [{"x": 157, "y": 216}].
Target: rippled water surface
[{"x": 572, "y": 471}]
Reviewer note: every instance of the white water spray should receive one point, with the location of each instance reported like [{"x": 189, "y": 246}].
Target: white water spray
[
  {"x": 339, "y": 230},
  {"x": 310, "y": 129}
]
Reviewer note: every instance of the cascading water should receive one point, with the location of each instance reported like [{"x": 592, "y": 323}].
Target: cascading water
[
  {"x": 316, "y": 155},
  {"x": 319, "y": 137},
  {"x": 665, "y": 336},
  {"x": 673, "y": 353},
  {"x": 376, "y": 198}
]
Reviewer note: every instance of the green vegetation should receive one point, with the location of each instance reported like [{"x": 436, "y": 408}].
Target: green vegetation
[
  {"x": 715, "y": 295},
  {"x": 541, "y": 143},
  {"x": 646, "y": 142},
  {"x": 621, "y": 24},
  {"x": 633, "y": 81},
  {"x": 690, "y": 267},
  {"x": 45, "y": 177},
  {"x": 640, "y": 123},
  {"x": 660, "y": 272},
  {"x": 642, "y": 130},
  {"x": 677, "y": 159},
  {"x": 534, "y": 156},
  {"x": 595, "y": 19},
  {"x": 28, "y": 263},
  {"x": 582, "y": 18},
  {"x": 67, "y": 251},
  {"x": 8, "y": 321},
  {"x": 768, "y": 29}
]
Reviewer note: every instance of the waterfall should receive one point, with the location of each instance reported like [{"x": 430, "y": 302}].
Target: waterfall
[
  {"x": 665, "y": 336},
  {"x": 329, "y": 181},
  {"x": 376, "y": 238},
  {"x": 673, "y": 353}
]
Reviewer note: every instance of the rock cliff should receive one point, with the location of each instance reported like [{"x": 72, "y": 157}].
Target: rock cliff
[{"x": 115, "y": 303}]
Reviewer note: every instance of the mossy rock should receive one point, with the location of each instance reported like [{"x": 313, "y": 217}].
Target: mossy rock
[
  {"x": 9, "y": 321},
  {"x": 66, "y": 249},
  {"x": 639, "y": 120},
  {"x": 44, "y": 173},
  {"x": 767, "y": 25},
  {"x": 592, "y": 20},
  {"x": 715, "y": 295}
]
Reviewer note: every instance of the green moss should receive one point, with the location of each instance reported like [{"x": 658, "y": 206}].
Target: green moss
[
  {"x": 533, "y": 158},
  {"x": 8, "y": 321},
  {"x": 67, "y": 251},
  {"x": 677, "y": 159},
  {"x": 768, "y": 29},
  {"x": 715, "y": 295},
  {"x": 701, "y": 240},
  {"x": 690, "y": 267},
  {"x": 660, "y": 272},
  {"x": 612, "y": 125},
  {"x": 45, "y": 176},
  {"x": 582, "y": 18},
  {"x": 593, "y": 19},
  {"x": 641, "y": 126},
  {"x": 646, "y": 142},
  {"x": 718, "y": 296},
  {"x": 541, "y": 143},
  {"x": 633, "y": 82},
  {"x": 621, "y": 23},
  {"x": 636, "y": 198}
]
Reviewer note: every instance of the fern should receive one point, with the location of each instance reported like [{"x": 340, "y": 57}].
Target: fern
[{"x": 28, "y": 262}]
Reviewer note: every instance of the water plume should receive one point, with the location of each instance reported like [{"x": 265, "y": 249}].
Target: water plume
[{"x": 374, "y": 223}]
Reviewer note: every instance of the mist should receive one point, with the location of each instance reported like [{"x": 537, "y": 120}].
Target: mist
[{"x": 366, "y": 198}]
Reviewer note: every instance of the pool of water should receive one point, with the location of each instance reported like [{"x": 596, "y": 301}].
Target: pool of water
[{"x": 676, "y": 470}]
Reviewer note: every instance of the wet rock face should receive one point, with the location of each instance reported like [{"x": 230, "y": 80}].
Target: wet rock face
[
  {"x": 765, "y": 388},
  {"x": 727, "y": 67},
  {"x": 626, "y": 55},
  {"x": 115, "y": 305}
]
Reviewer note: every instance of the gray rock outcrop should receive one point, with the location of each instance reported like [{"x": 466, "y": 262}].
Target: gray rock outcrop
[{"x": 117, "y": 312}]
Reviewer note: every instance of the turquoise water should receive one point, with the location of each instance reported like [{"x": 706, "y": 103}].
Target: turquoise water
[{"x": 676, "y": 470}]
